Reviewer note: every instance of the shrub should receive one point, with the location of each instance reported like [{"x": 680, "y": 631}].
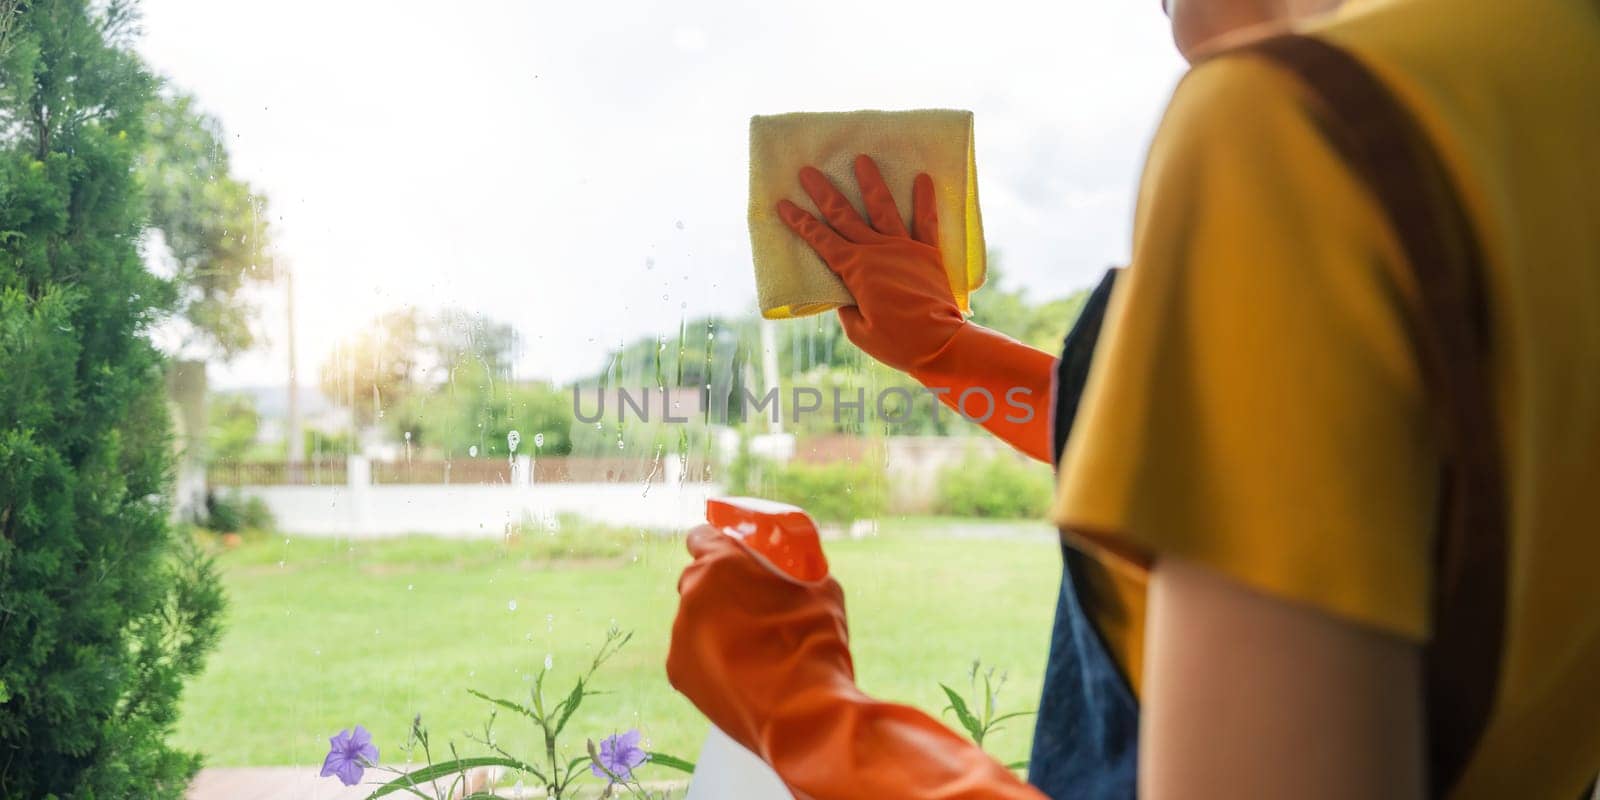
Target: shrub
[
  {"x": 104, "y": 612},
  {"x": 234, "y": 512},
  {"x": 839, "y": 492},
  {"x": 1002, "y": 486}
]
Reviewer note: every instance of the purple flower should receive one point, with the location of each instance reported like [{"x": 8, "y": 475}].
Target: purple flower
[
  {"x": 349, "y": 754},
  {"x": 619, "y": 754}
]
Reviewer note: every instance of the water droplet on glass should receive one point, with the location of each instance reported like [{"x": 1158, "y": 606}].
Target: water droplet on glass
[
  {"x": 473, "y": 451},
  {"x": 538, "y": 440},
  {"x": 512, "y": 440},
  {"x": 679, "y": 224},
  {"x": 549, "y": 661},
  {"x": 408, "y": 436},
  {"x": 511, "y": 606}
]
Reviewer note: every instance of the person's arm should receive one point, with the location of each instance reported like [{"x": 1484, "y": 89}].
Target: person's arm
[
  {"x": 1247, "y": 696},
  {"x": 1255, "y": 428},
  {"x": 906, "y": 315}
]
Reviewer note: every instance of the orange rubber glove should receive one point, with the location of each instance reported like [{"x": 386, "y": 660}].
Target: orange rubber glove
[
  {"x": 766, "y": 658},
  {"x": 906, "y": 316}
]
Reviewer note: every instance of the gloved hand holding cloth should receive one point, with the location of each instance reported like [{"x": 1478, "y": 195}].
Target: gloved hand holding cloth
[{"x": 905, "y": 313}]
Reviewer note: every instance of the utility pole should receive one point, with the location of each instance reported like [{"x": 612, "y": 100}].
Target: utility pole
[
  {"x": 297, "y": 440},
  {"x": 769, "y": 370}
]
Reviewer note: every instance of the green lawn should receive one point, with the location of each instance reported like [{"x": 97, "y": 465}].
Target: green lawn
[{"x": 324, "y": 634}]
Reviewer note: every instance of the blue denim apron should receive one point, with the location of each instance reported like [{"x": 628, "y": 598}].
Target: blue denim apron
[{"x": 1086, "y": 734}]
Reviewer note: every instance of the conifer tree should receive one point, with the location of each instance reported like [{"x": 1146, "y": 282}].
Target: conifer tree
[{"x": 104, "y": 610}]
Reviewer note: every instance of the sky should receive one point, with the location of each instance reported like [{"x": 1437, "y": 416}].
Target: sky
[{"x": 579, "y": 169}]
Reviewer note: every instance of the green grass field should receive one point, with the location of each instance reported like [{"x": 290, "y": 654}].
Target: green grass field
[{"x": 324, "y": 634}]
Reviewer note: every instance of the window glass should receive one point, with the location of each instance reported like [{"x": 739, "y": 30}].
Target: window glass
[{"x": 496, "y": 344}]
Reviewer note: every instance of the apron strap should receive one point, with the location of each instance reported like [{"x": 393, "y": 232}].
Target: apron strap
[{"x": 1450, "y": 332}]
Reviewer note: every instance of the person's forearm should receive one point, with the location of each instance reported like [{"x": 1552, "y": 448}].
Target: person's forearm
[
  {"x": 857, "y": 747},
  {"x": 997, "y": 382}
]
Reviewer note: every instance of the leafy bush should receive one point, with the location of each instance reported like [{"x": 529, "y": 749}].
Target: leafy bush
[
  {"x": 1001, "y": 486},
  {"x": 839, "y": 492},
  {"x": 232, "y": 423},
  {"x": 104, "y": 612},
  {"x": 324, "y": 445},
  {"x": 235, "y": 511}
]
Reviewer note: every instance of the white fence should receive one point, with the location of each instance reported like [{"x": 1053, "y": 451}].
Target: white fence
[
  {"x": 472, "y": 510},
  {"x": 360, "y": 509},
  {"x": 353, "y": 504}
]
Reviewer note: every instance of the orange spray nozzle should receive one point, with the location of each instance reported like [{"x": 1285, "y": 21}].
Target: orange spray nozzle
[{"x": 782, "y": 534}]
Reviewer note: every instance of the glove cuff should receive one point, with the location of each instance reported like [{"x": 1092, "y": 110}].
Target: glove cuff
[{"x": 997, "y": 382}]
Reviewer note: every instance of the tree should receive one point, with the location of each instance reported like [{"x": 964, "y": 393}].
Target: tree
[
  {"x": 456, "y": 338},
  {"x": 477, "y": 410},
  {"x": 233, "y": 423},
  {"x": 103, "y": 610},
  {"x": 403, "y": 356},
  {"x": 213, "y": 225},
  {"x": 815, "y": 353},
  {"x": 1009, "y": 311},
  {"x": 379, "y": 367}
]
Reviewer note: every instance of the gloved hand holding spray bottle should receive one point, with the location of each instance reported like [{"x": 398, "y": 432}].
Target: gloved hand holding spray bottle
[
  {"x": 760, "y": 646},
  {"x": 785, "y": 539}
]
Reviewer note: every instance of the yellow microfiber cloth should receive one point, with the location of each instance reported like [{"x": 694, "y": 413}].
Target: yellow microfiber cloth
[{"x": 791, "y": 280}]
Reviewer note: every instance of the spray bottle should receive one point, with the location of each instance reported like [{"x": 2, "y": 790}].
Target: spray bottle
[{"x": 785, "y": 537}]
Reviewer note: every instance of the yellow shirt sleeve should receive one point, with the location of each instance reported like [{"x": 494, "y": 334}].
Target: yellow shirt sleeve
[{"x": 1254, "y": 405}]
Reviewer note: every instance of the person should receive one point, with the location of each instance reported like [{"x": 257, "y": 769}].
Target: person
[{"x": 1254, "y": 470}]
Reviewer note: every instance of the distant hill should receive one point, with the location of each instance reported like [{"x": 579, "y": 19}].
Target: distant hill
[{"x": 272, "y": 402}]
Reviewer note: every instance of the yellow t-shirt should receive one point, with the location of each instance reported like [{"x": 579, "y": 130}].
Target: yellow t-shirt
[{"x": 1254, "y": 405}]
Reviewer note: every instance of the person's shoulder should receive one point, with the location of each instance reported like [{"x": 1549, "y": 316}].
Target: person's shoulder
[
  {"x": 1235, "y": 104},
  {"x": 1237, "y": 86}
]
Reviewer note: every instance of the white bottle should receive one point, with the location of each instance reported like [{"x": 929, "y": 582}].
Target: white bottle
[{"x": 727, "y": 771}]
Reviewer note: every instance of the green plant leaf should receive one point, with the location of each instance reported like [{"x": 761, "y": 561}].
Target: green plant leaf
[
  {"x": 572, "y": 768},
  {"x": 670, "y": 762},
  {"x": 565, "y": 710},
  {"x": 435, "y": 771},
  {"x": 1018, "y": 765},
  {"x": 963, "y": 714},
  {"x": 1004, "y": 717},
  {"x": 506, "y": 704}
]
